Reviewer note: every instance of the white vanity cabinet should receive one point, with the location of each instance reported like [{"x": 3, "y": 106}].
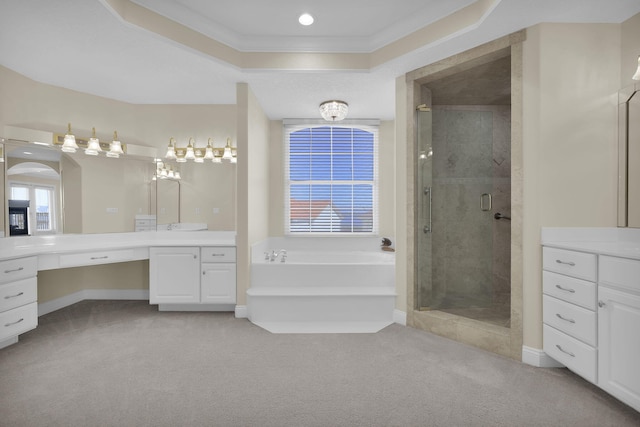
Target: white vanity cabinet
[
  {"x": 569, "y": 316},
  {"x": 202, "y": 276},
  {"x": 619, "y": 328},
  {"x": 218, "y": 281},
  {"x": 18, "y": 297},
  {"x": 591, "y": 307},
  {"x": 174, "y": 275}
]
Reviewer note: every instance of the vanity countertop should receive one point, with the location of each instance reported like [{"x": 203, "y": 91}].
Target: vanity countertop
[
  {"x": 618, "y": 242},
  {"x": 15, "y": 247}
]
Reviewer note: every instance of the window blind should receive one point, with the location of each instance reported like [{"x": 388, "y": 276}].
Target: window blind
[{"x": 331, "y": 179}]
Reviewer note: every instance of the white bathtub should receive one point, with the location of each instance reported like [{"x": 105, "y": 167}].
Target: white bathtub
[
  {"x": 325, "y": 285},
  {"x": 330, "y": 262}
]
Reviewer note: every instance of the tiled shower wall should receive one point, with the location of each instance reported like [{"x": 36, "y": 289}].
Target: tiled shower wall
[{"x": 469, "y": 250}]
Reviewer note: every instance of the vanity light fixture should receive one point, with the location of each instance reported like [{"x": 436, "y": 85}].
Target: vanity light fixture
[
  {"x": 164, "y": 172},
  {"x": 69, "y": 145},
  {"x": 227, "y": 151},
  {"x": 115, "y": 149},
  {"x": 334, "y": 111},
  {"x": 93, "y": 148},
  {"x": 171, "y": 150},
  {"x": 190, "y": 155},
  {"x": 636, "y": 76},
  {"x": 199, "y": 155},
  {"x": 208, "y": 153}
]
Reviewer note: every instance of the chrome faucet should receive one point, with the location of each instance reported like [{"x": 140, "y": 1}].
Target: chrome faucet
[{"x": 275, "y": 254}]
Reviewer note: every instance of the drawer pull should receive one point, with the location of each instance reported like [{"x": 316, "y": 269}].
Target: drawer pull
[
  {"x": 6, "y": 325},
  {"x": 100, "y": 257},
  {"x": 572, "y": 264},
  {"x": 559, "y": 316},
  {"x": 565, "y": 351},
  {"x": 573, "y": 291},
  {"x": 601, "y": 304},
  {"x": 14, "y": 296},
  {"x": 14, "y": 270},
  {"x": 217, "y": 254}
]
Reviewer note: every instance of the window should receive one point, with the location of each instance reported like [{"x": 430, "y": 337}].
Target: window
[
  {"x": 41, "y": 205},
  {"x": 331, "y": 179}
]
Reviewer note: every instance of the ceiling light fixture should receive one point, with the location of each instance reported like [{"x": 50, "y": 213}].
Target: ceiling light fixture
[
  {"x": 305, "y": 19},
  {"x": 334, "y": 111},
  {"x": 636, "y": 76}
]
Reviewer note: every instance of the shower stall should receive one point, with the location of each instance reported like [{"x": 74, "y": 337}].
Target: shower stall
[{"x": 463, "y": 206}]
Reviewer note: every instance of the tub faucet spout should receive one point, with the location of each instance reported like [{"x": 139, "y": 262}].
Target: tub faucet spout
[{"x": 275, "y": 254}]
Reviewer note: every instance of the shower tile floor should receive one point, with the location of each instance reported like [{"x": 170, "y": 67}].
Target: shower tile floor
[{"x": 498, "y": 314}]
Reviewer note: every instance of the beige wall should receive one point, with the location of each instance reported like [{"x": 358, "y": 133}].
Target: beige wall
[
  {"x": 402, "y": 186},
  {"x": 253, "y": 183},
  {"x": 54, "y": 284},
  {"x": 570, "y": 82}
]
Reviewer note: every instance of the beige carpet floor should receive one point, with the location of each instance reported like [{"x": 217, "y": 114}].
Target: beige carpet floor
[{"x": 123, "y": 363}]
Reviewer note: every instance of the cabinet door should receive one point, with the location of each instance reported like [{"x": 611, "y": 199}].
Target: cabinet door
[
  {"x": 218, "y": 283},
  {"x": 174, "y": 275},
  {"x": 619, "y": 345}
]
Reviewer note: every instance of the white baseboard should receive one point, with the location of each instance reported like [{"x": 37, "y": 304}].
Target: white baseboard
[
  {"x": 8, "y": 342},
  {"x": 537, "y": 357},
  {"x": 116, "y": 294},
  {"x": 400, "y": 317},
  {"x": 241, "y": 312},
  {"x": 195, "y": 307}
]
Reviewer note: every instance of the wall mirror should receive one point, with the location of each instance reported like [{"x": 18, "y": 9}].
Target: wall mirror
[
  {"x": 72, "y": 193},
  {"x": 629, "y": 157},
  {"x": 203, "y": 198},
  {"x": 76, "y": 193}
]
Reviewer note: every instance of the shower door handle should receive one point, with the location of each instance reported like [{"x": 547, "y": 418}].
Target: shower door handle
[
  {"x": 485, "y": 202},
  {"x": 427, "y": 192}
]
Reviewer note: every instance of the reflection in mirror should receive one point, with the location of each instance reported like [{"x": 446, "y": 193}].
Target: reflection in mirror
[
  {"x": 204, "y": 197},
  {"x": 33, "y": 191},
  {"x": 168, "y": 202},
  {"x": 629, "y": 157},
  {"x": 73, "y": 192}
]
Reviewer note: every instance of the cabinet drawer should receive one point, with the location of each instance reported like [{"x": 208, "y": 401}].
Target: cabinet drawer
[
  {"x": 619, "y": 272},
  {"x": 575, "y": 321},
  {"x": 92, "y": 258},
  {"x": 16, "y": 269},
  {"x": 18, "y": 293},
  {"x": 19, "y": 320},
  {"x": 573, "y": 354},
  {"x": 218, "y": 254},
  {"x": 570, "y": 289},
  {"x": 570, "y": 263}
]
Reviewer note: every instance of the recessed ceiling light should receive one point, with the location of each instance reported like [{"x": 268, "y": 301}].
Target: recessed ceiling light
[{"x": 305, "y": 19}]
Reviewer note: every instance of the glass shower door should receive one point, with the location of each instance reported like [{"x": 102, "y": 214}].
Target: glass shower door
[{"x": 454, "y": 198}]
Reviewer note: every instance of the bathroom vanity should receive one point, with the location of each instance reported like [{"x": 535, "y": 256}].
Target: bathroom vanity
[
  {"x": 591, "y": 305},
  {"x": 192, "y": 277},
  {"x": 193, "y": 270}
]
